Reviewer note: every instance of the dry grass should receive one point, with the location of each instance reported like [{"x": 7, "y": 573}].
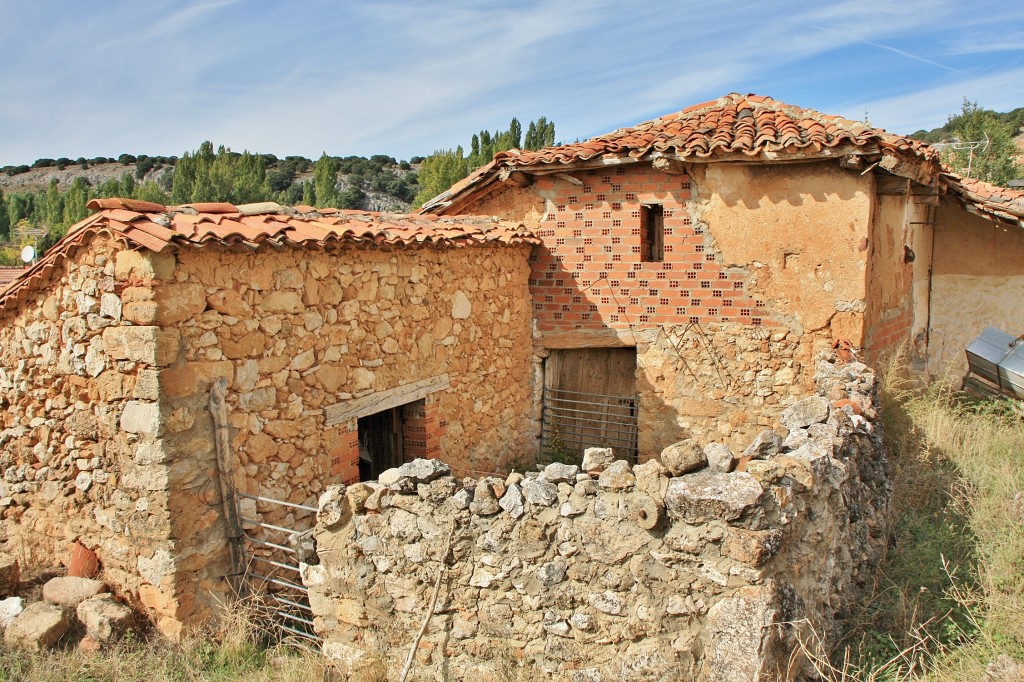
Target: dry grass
[
  {"x": 238, "y": 649},
  {"x": 950, "y": 595}
]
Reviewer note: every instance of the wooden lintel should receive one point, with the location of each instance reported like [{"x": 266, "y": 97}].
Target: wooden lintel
[
  {"x": 605, "y": 338},
  {"x": 515, "y": 178},
  {"x": 383, "y": 400},
  {"x": 916, "y": 171}
]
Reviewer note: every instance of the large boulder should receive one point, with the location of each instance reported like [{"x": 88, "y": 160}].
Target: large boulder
[
  {"x": 683, "y": 457},
  {"x": 104, "y": 618},
  {"x": 803, "y": 413},
  {"x": 70, "y": 591},
  {"x": 711, "y": 495},
  {"x": 40, "y": 626}
]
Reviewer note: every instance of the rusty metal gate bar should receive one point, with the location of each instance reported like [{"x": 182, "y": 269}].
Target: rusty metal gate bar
[
  {"x": 572, "y": 421},
  {"x": 272, "y": 570}
]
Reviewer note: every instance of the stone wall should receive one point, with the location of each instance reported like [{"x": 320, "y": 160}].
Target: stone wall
[
  {"x": 80, "y": 450},
  {"x": 296, "y": 334},
  {"x": 688, "y": 566}
]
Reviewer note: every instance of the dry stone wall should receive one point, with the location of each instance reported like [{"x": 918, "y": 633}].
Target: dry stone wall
[
  {"x": 684, "y": 567},
  {"x": 80, "y": 449}
]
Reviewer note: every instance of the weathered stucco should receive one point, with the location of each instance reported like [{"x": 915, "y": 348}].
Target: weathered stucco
[
  {"x": 801, "y": 230},
  {"x": 976, "y": 283}
]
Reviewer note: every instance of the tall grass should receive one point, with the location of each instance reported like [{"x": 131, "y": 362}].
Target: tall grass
[
  {"x": 237, "y": 650},
  {"x": 949, "y": 598}
]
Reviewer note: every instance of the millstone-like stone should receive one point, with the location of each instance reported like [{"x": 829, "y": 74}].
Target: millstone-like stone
[
  {"x": 683, "y": 457},
  {"x": 70, "y": 592},
  {"x": 40, "y": 626},
  {"x": 803, "y": 413},
  {"x": 709, "y": 495}
]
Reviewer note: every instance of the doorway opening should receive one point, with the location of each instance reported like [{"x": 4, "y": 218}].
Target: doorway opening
[
  {"x": 589, "y": 401},
  {"x": 381, "y": 443}
]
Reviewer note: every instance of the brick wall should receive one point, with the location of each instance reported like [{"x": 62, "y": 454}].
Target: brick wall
[{"x": 590, "y": 275}]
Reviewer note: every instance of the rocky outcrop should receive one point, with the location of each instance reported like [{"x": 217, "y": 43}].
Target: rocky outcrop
[{"x": 583, "y": 574}]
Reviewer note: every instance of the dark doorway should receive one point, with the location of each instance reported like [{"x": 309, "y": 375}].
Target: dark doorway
[
  {"x": 589, "y": 401},
  {"x": 380, "y": 443}
]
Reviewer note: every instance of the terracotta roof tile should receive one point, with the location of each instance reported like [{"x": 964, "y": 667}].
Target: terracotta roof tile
[
  {"x": 747, "y": 124},
  {"x": 156, "y": 227},
  {"x": 9, "y": 273}
]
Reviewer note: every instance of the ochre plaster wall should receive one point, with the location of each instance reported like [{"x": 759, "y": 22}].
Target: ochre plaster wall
[
  {"x": 294, "y": 332},
  {"x": 802, "y": 233},
  {"x": 977, "y": 282}
]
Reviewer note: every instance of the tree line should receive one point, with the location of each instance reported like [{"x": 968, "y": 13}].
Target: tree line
[
  {"x": 219, "y": 174},
  {"x": 445, "y": 167}
]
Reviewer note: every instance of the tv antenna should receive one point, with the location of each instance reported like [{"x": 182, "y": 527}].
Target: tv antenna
[{"x": 980, "y": 145}]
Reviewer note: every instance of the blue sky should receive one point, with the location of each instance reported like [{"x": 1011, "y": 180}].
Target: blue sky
[{"x": 106, "y": 77}]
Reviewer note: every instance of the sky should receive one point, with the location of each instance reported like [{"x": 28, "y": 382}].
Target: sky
[{"x": 403, "y": 78}]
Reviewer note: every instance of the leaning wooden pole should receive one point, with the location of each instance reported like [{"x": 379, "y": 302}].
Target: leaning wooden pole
[
  {"x": 229, "y": 501},
  {"x": 430, "y": 607}
]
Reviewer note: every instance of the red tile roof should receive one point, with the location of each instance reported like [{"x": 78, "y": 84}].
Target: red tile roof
[
  {"x": 9, "y": 273},
  {"x": 252, "y": 226},
  {"x": 749, "y": 127}
]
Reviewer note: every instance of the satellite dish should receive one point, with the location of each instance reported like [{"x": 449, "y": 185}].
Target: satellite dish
[{"x": 27, "y": 254}]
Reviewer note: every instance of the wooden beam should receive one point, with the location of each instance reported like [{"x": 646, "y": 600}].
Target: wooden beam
[
  {"x": 383, "y": 400},
  {"x": 229, "y": 502}
]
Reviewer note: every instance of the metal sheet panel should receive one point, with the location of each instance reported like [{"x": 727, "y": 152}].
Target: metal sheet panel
[
  {"x": 987, "y": 351},
  {"x": 1011, "y": 371}
]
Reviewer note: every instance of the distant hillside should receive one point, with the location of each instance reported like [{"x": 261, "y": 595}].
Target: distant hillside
[
  {"x": 378, "y": 183},
  {"x": 945, "y": 133}
]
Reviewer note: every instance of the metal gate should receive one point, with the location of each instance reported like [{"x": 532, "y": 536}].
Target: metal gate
[
  {"x": 572, "y": 421},
  {"x": 271, "y": 573}
]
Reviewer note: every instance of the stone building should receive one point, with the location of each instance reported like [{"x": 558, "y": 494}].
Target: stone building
[
  {"x": 715, "y": 249},
  {"x": 347, "y": 342}
]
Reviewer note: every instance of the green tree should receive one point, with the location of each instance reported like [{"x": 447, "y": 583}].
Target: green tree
[
  {"x": 5, "y": 220},
  {"x": 75, "y": 200},
  {"x": 438, "y": 172},
  {"x": 325, "y": 180},
  {"x": 995, "y": 160}
]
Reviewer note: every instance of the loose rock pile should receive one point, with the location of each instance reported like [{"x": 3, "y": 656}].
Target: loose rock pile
[
  {"x": 72, "y": 607},
  {"x": 695, "y": 565}
]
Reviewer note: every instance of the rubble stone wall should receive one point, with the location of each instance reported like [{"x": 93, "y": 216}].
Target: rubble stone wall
[
  {"x": 295, "y": 333},
  {"x": 688, "y": 566},
  {"x": 81, "y": 452}
]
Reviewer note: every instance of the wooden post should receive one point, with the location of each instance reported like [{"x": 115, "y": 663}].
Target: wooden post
[{"x": 229, "y": 501}]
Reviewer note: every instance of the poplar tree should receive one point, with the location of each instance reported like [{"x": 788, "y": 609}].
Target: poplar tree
[{"x": 325, "y": 180}]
